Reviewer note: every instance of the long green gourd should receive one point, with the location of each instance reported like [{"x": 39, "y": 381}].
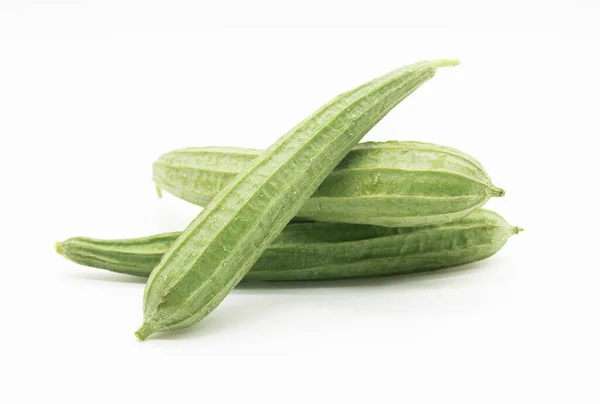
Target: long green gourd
[
  {"x": 382, "y": 183},
  {"x": 220, "y": 246},
  {"x": 320, "y": 251}
]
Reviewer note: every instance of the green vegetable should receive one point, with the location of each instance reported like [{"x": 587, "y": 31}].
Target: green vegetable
[
  {"x": 316, "y": 251},
  {"x": 220, "y": 246},
  {"x": 387, "y": 184}
]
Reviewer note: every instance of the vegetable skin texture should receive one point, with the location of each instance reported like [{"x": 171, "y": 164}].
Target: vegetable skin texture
[
  {"x": 323, "y": 251},
  {"x": 220, "y": 246},
  {"x": 392, "y": 183}
]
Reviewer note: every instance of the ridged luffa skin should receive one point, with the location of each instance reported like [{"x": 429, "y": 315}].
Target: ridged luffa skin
[
  {"x": 382, "y": 183},
  {"x": 220, "y": 246},
  {"x": 319, "y": 251}
]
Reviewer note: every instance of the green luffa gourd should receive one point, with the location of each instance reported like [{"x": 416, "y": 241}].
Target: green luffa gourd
[
  {"x": 323, "y": 251},
  {"x": 382, "y": 183},
  {"x": 219, "y": 247}
]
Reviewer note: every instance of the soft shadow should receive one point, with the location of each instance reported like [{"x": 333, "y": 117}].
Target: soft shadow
[
  {"x": 106, "y": 276},
  {"x": 223, "y": 320},
  {"x": 233, "y": 315},
  {"x": 431, "y": 276}
]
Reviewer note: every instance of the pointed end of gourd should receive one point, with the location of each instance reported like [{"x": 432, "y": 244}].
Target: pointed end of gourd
[
  {"x": 145, "y": 331},
  {"x": 518, "y": 230},
  {"x": 59, "y": 248},
  {"x": 495, "y": 191},
  {"x": 158, "y": 191},
  {"x": 445, "y": 63}
]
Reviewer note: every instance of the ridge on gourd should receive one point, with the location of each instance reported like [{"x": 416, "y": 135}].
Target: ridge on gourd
[
  {"x": 319, "y": 251},
  {"x": 393, "y": 183},
  {"x": 219, "y": 247}
]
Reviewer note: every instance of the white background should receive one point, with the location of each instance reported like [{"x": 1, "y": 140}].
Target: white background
[{"x": 91, "y": 92}]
